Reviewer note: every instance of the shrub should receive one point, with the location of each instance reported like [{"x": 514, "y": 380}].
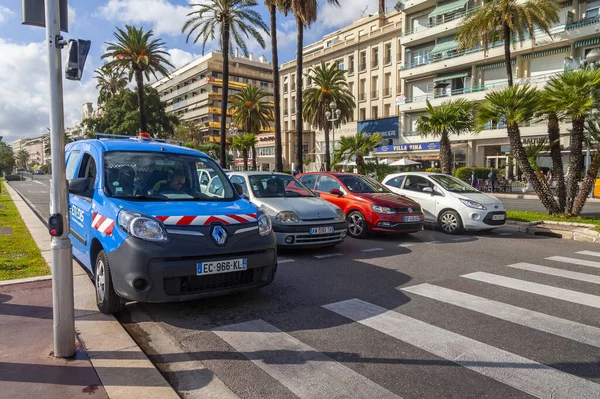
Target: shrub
[{"x": 481, "y": 173}]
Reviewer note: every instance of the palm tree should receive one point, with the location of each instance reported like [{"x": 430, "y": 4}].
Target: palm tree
[
  {"x": 505, "y": 20},
  {"x": 514, "y": 106},
  {"x": 22, "y": 157},
  {"x": 305, "y": 13},
  {"x": 284, "y": 7},
  {"x": 243, "y": 143},
  {"x": 136, "y": 52},
  {"x": 357, "y": 147},
  {"x": 329, "y": 85},
  {"x": 451, "y": 117},
  {"x": 110, "y": 82},
  {"x": 189, "y": 132},
  {"x": 252, "y": 110},
  {"x": 593, "y": 128},
  {"x": 573, "y": 93},
  {"x": 232, "y": 21}
]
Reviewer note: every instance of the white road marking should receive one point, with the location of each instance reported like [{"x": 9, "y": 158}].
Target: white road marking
[
  {"x": 462, "y": 238},
  {"x": 540, "y": 321},
  {"x": 408, "y": 244},
  {"x": 299, "y": 367},
  {"x": 535, "y": 288},
  {"x": 38, "y": 182},
  {"x": 371, "y": 249},
  {"x": 432, "y": 242},
  {"x": 574, "y": 261},
  {"x": 505, "y": 234},
  {"x": 280, "y": 261},
  {"x": 588, "y": 253},
  {"x": 327, "y": 255},
  {"x": 589, "y": 278},
  {"x": 518, "y": 372}
]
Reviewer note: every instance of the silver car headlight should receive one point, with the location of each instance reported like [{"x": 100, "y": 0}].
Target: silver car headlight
[
  {"x": 264, "y": 223},
  {"x": 287, "y": 217},
  {"x": 341, "y": 215},
  {"x": 382, "y": 209},
  {"x": 142, "y": 227},
  {"x": 473, "y": 204}
]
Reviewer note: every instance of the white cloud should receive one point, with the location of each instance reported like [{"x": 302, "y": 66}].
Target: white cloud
[
  {"x": 72, "y": 15},
  {"x": 164, "y": 17},
  {"x": 336, "y": 17},
  {"x": 5, "y": 14},
  {"x": 24, "y": 91},
  {"x": 180, "y": 57}
]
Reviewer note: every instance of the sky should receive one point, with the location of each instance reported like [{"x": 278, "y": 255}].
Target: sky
[{"x": 24, "y": 88}]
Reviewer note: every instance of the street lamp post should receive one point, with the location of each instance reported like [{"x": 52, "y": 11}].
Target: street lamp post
[
  {"x": 233, "y": 131},
  {"x": 328, "y": 115},
  {"x": 592, "y": 57}
]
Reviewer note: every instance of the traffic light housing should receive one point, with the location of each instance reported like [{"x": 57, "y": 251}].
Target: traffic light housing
[{"x": 77, "y": 52}]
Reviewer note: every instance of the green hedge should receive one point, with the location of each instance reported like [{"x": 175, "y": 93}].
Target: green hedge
[{"x": 481, "y": 173}]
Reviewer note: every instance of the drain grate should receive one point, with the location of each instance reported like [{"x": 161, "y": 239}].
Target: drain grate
[{"x": 5, "y": 231}]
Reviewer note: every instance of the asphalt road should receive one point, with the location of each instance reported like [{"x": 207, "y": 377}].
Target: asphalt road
[{"x": 493, "y": 315}]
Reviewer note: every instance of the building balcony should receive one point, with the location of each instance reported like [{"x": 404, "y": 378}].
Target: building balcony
[
  {"x": 350, "y": 70},
  {"x": 286, "y": 112},
  {"x": 362, "y": 96},
  {"x": 374, "y": 95},
  {"x": 413, "y": 6},
  {"x": 215, "y": 110},
  {"x": 374, "y": 64},
  {"x": 362, "y": 67},
  {"x": 448, "y": 24},
  {"x": 387, "y": 60},
  {"x": 387, "y": 92},
  {"x": 293, "y": 111}
]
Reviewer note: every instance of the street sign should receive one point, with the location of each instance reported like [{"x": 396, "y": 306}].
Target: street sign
[
  {"x": 401, "y": 99},
  {"x": 33, "y": 13}
]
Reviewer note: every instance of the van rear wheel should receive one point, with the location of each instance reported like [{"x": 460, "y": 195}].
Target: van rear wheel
[{"x": 107, "y": 300}]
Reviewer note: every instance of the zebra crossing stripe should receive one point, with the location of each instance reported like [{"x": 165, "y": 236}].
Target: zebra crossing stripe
[
  {"x": 588, "y": 253},
  {"x": 535, "y": 288},
  {"x": 539, "y": 321},
  {"x": 282, "y": 261},
  {"x": 588, "y": 278},
  {"x": 303, "y": 370},
  {"x": 575, "y": 261},
  {"x": 518, "y": 372}
]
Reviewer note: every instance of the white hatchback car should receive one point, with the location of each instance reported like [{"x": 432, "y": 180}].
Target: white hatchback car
[{"x": 448, "y": 201}]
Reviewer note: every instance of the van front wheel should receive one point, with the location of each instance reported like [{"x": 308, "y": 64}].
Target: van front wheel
[{"x": 106, "y": 298}]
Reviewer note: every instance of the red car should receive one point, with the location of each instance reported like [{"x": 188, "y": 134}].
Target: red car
[{"x": 368, "y": 205}]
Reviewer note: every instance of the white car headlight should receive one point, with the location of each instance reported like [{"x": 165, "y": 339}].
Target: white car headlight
[
  {"x": 341, "y": 215},
  {"x": 142, "y": 227},
  {"x": 287, "y": 217},
  {"x": 473, "y": 204},
  {"x": 382, "y": 209},
  {"x": 264, "y": 223}
]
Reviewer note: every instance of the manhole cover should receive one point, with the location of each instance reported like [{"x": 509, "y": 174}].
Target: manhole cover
[{"x": 4, "y": 231}]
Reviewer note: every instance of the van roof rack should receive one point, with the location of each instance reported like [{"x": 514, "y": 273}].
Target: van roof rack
[{"x": 99, "y": 136}]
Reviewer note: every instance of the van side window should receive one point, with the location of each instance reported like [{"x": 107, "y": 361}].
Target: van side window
[
  {"x": 72, "y": 164},
  {"x": 88, "y": 170}
]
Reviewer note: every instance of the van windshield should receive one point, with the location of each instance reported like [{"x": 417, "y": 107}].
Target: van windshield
[{"x": 154, "y": 176}]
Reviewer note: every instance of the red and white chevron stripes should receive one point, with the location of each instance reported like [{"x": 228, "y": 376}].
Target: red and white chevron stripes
[
  {"x": 206, "y": 220},
  {"x": 102, "y": 224}
]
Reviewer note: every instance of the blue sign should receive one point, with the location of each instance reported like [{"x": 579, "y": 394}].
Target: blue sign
[
  {"x": 434, "y": 145},
  {"x": 387, "y": 127}
]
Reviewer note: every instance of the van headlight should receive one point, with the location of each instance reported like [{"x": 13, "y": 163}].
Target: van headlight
[
  {"x": 287, "y": 217},
  {"x": 264, "y": 223},
  {"x": 473, "y": 204},
  {"x": 142, "y": 227}
]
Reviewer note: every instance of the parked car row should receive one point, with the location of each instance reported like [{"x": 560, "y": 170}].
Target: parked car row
[{"x": 155, "y": 222}]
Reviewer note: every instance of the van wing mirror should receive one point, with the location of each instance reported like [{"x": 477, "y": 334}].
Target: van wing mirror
[
  {"x": 239, "y": 189},
  {"x": 77, "y": 186}
]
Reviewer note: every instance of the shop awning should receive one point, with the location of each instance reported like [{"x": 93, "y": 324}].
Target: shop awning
[
  {"x": 495, "y": 65},
  {"x": 449, "y": 76},
  {"x": 448, "y": 6},
  {"x": 546, "y": 53},
  {"x": 445, "y": 46},
  {"x": 587, "y": 42}
]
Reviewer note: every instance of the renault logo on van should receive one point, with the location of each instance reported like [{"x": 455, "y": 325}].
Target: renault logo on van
[{"x": 219, "y": 235}]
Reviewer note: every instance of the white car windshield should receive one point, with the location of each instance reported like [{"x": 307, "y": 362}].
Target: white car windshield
[
  {"x": 154, "y": 176},
  {"x": 271, "y": 186},
  {"x": 452, "y": 184}
]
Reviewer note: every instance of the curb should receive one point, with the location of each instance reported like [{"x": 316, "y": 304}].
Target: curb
[
  {"x": 123, "y": 368},
  {"x": 564, "y": 230}
]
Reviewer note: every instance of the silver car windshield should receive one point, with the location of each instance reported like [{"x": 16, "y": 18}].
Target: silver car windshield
[
  {"x": 272, "y": 186},
  {"x": 452, "y": 184}
]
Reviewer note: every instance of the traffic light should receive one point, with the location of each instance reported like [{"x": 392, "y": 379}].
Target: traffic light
[{"x": 77, "y": 52}]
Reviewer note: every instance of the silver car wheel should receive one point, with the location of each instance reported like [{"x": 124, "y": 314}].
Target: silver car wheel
[
  {"x": 356, "y": 225},
  {"x": 100, "y": 280},
  {"x": 449, "y": 222}
]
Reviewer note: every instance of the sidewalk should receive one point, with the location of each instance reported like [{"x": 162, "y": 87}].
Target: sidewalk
[
  {"x": 108, "y": 363},
  {"x": 528, "y": 195}
]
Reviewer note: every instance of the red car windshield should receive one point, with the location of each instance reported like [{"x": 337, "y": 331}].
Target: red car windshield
[{"x": 363, "y": 185}]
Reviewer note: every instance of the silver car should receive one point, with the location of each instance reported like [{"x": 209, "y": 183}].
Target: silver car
[{"x": 299, "y": 217}]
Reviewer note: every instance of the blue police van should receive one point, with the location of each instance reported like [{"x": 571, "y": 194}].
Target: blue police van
[{"x": 149, "y": 231}]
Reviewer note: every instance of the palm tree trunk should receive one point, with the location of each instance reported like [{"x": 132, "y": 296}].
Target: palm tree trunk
[
  {"x": 360, "y": 163},
  {"x": 587, "y": 185},
  {"x": 276, "y": 93},
  {"x": 575, "y": 160},
  {"x": 139, "y": 80},
  {"x": 299, "y": 124},
  {"x": 541, "y": 187},
  {"x": 245, "y": 155},
  {"x": 507, "y": 43},
  {"x": 254, "y": 165},
  {"x": 445, "y": 154},
  {"x": 327, "y": 149},
  {"x": 557, "y": 164},
  {"x": 222, "y": 129}
]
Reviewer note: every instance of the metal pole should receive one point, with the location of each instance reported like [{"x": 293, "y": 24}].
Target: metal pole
[
  {"x": 62, "y": 258},
  {"x": 332, "y": 139}
]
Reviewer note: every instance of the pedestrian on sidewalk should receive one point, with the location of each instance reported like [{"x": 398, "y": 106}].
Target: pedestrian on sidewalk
[
  {"x": 473, "y": 179},
  {"x": 493, "y": 179}
]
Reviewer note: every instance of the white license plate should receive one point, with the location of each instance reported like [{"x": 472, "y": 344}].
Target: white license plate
[
  {"x": 221, "y": 266},
  {"x": 412, "y": 218},
  {"x": 321, "y": 230},
  {"x": 498, "y": 217}
]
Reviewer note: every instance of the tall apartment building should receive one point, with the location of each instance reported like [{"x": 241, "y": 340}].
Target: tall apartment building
[
  {"x": 433, "y": 69},
  {"x": 194, "y": 91},
  {"x": 369, "y": 49}
]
